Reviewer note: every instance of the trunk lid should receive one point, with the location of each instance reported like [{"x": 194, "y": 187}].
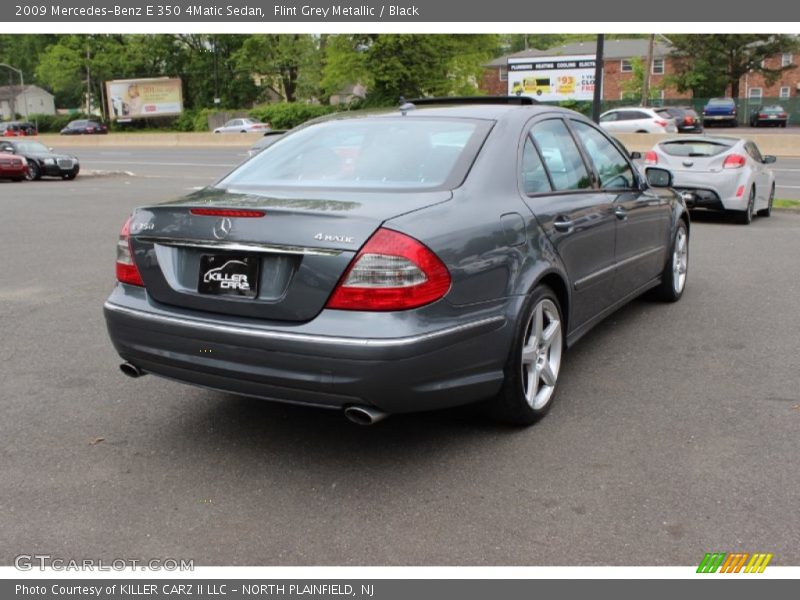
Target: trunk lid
[{"x": 296, "y": 252}]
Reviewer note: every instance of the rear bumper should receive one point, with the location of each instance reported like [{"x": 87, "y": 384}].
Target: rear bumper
[
  {"x": 715, "y": 190},
  {"x": 408, "y": 365}
]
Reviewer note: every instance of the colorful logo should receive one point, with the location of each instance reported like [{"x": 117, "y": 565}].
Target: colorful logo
[{"x": 734, "y": 562}]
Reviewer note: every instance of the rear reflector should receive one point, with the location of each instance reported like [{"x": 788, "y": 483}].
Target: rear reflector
[
  {"x": 391, "y": 272},
  {"x": 126, "y": 268},
  {"x": 228, "y": 212},
  {"x": 651, "y": 158},
  {"x": 739, "y": 191},
  {"x": 734, "y": 161}
]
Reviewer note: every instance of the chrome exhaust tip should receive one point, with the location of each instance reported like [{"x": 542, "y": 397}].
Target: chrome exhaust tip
[
  {"x": 364, "y": 415},
  {"x": 131, "y": 370}
]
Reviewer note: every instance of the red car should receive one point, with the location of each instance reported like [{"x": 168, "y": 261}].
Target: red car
[
  {"x": 17, "y": 129},
  {"x": 13, "y": 167}
]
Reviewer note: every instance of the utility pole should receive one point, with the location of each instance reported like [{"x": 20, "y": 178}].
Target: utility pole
[
  {"x": 88, "y": 84},
  {"x": 598, "y": 78},
  {"x": 648, "y": 67}
]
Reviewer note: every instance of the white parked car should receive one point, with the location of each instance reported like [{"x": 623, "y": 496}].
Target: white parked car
[
  {"x": 720, "y": 173},
  {"x": 243, "y": 126},
  {"x": 638, "y": 120}
]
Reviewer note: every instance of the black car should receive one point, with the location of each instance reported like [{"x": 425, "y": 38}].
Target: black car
[
  {"x": 686, "y": 119},
  {"x": 42, "y": 161},
  {"x": 84, "y": 127},
  {"x": 393, "y": 262},
  {"x": 772, "y": 115}
]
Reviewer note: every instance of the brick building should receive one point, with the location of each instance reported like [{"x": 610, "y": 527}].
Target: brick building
[{"x": 618, "y": 68}]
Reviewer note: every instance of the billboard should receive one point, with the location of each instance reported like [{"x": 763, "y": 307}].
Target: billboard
[
  {"x": 552, "y": 79},
  {"x": 139, "y": 98}
]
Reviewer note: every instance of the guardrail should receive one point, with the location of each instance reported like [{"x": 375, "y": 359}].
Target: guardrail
[{"x": 779, "y": 144}]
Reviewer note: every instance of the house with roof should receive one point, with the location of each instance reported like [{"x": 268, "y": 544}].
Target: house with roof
[{"x": 25, "y": 100}]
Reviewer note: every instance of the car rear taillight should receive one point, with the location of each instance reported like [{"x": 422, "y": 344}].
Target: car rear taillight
[
  {"x": 126, "y": 268},
  {"x": 763, "y": 116},
  {"x": 391, "y": 272},
  {"x": 651, "y": 158},
  {"x": 661, "y": 123},
  {"x": 734, "y": 161},
  {"x": 688, "y": 120},
  {"x": 782, "y": 116}
]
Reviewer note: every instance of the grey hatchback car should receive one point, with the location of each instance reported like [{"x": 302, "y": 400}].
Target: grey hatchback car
[{"x": 435, "y": 256}]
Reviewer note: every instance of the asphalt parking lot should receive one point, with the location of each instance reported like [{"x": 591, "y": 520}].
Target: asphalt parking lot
[{"x": 674, "y": 434}]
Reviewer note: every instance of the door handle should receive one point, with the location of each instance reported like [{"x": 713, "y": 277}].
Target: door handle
[
  {"x": 564, "y": 225},
  {"x": 620, "y": 213}
]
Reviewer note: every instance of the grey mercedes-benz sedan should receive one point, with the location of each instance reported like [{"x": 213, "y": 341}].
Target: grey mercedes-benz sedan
[{"x": 425, "y": 258}]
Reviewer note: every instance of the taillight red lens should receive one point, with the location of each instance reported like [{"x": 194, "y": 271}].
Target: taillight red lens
[
  {"x": 763, "y": 116},
  {"x": 661, "y": 123},
  {"x": 126, "y": 268},
  {"x": 651, "y": 158},
  {"x": 688, "y": 120},
  {"x": 391, "y": 272},
  {"x": 782, "y": 116},
  {"x": 227, "y": 212},
  {"x": 734, "y": 161}
]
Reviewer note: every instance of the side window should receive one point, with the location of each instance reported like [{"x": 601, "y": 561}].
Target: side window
[
  {"x": 637, "y": 114},
  {"x": 615, "y": 172},
  {"x": 534, "y": 177},
  {"x": 612, "y": 116},
  {"x": 561, "y": 156}
]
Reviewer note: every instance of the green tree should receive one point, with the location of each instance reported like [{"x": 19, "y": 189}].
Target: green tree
[
  {"x": 710, "y": 64},
  {"x": 394, "y": 65},
  {"x": 292, "y": 60}
]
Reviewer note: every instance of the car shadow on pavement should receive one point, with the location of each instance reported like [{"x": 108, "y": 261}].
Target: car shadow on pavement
[{"x": 219, "y": 422}]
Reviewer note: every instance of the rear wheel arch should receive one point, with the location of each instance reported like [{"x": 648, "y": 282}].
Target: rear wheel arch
[{"x": 559, "y": 286}]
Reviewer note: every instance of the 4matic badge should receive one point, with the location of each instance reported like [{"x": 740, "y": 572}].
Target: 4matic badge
[{"x": 327, "y": 237}]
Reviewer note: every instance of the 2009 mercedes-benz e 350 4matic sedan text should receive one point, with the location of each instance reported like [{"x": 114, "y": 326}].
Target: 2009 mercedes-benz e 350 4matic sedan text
[{"x": 395, "y": 262}]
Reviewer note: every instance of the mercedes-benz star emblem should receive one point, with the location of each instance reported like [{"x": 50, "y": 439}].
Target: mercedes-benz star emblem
[{"x": 222, "y": 228}]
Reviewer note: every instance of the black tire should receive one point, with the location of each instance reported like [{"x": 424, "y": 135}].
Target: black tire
[
  {"x": 641, "y": 131},
  {"x": 767, "y": 212},
  {"x": 745, "y": 217},
  {"x": 670, "y": 289},
  {"x": 71, "y": 175},
  {"x": 510, "y": 405},
  {"x": 34, "y": 171}
]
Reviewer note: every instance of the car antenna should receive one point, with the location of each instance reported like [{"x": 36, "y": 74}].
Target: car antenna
[{"x": 406, "y": 106}]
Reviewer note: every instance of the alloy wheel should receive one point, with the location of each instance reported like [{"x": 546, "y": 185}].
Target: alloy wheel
[
  {"x": 680, "y": 260},
  {"x": 541, "y": 354}
]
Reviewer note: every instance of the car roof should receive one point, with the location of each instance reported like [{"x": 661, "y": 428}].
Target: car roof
[
  {"x": 722, "y": 139},
  {"x": 492, "y": 112}
]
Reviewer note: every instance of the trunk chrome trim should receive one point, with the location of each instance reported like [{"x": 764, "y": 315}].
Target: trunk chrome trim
[
  {"x": 238, "y": 246},
  {"x": 492, "y": 322}
]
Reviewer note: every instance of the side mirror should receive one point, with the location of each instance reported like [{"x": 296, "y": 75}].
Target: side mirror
[
  {"x": 658, "y": 178},
  {"x": 769, "y": 159},
  {"x": 636, "y": 155}
]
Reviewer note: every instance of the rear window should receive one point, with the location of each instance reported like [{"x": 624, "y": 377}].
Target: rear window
[
  {"x": 385, "y": 152},
  {"x": 720, "y": 102},
  {"x": 772, "y": 109},
  {"x": 695, "y": 148},
  {"x": 663, "y": 112}
]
